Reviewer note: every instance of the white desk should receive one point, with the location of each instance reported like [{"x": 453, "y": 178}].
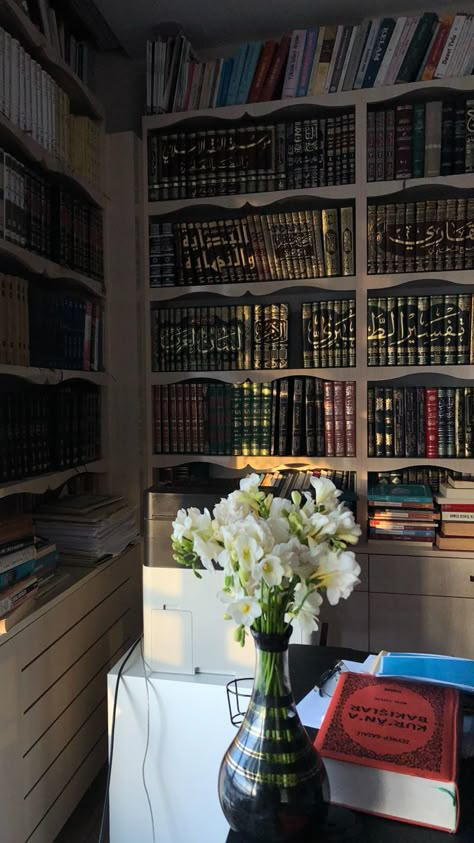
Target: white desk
[{"x": 190, "y": 730}]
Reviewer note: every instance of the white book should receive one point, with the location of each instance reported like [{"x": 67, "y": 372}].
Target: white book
[
  {"x": 28, "y": 98},
  {"x": 332, "y": 63},
  {"x": 148, "y": 75},
  {"x": 347, "y": 58},
  {"x": 21, "y": 89},
  {"x": 367, "y": 52},
  {"x": 44, "y": 110},
  {"x": 293, "y": 67},
  {"x": 457, "y": 516},
  {"x": 448, "y": 494},
  {"x": 7, "y": 67},
  {"x": 317, "y": 56},
  {"x": 54, "y": 113},
  {"x": 390, "y": 51},
  {"x": 449, "y": 47},
  {"x": 356, "y": 54},
  {"x": 458, "y": 55},
  {"x": 2, "y": 74},
  {"x": 401, "y": 49},
  {"x": 36, "y": 101},
  {"x": 468, "y": 62},
  {"x": 15, "y": 83}
]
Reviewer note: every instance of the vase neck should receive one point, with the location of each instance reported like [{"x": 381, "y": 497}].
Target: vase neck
[{"x": 272, "y": 675}]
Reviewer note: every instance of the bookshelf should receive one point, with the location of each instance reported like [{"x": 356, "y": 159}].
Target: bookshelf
[{"x": 361, "y": 284}]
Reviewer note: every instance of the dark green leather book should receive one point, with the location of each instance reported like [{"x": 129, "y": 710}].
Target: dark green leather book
[
  {"x": 388, "y": 421},
  {"x": 337, "y": 332},
  {"x": 398, "y": 422},
  {"x": 381, "y": 239},
  {"x": 297, "y": 417},
  {"x": 352, "y": 333},
  {"x": 450, "y": 420},
  {"x": 257, "y": 336},
  {"x": 228, "y": 419},
  {"x": 323, "y": 334},
  {"x": 237, "y": 419},
  {"x": 319, "y": 415},
  {"x": 283, "y": 418},
  {"x": 411, "y": 317},
  {"x": 461, "y": 209},
  {"x": 411, "y": 449},
  {"x": 418, "y": 46},
  {"x": 420, "y": 421},
  {"x": 464, "y": 321},
  {"x": 372, "y": 331},
  {"x": 265, "y": 418},
  {"x": 469, "y": 421},
  {"x": 447, "y": 139},
  {"x": 246, "y": 388},
  {"x": 436, "y": 330},
  {"x": 255, "y": 420},
  {"x": 420, "y": 237},
  {"x": 220, "y": 419},
  {"x": 402, "y": 331},
  {"x": 307, "y": 335},
  {"x": 430, "y": 234},
  {"x": 370, "y": 421},
  {"x": 392, "y": 330},
  {"x": 274, "y": 419},
  {"x": 400, "y": 237},
  {"x": 410, "y": 236},
  {"x": 330, "y": 332},
  {"x": 283, "y": 336},
  {"x": 372, "y": 239},
  {"x": 379, "y": 419},
  {"x": 423, "y": 339},
  {"x": 450, "y": 330},
  {"x": 459, "y": 426},
  {"x": 442, "y": 422},
  {"x": 418, "y": 162},
  {"x": 310, "y": 417}
]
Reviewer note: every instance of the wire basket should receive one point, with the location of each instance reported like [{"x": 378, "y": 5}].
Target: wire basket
[{"x": 239, "y": 692}]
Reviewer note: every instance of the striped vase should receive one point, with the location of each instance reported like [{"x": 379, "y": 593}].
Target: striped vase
[{"x": 272, "y": 783}]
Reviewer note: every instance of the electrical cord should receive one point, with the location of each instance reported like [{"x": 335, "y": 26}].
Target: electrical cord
[
  {"x": 150, "y": 808},
  {"x": 112, "y": 738}
]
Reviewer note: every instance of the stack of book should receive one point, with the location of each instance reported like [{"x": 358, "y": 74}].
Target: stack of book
[
  {"x": 283, "y": 483},
  {"x": 420, "y": 140},
  {"x": 420, "y": 236},
  {"x": 423, "y": 475},
  {"x": 402, "y": 512},
  {"x": 328, "y": 333},
  {"x": 456, "y": 504},
  {"x": 198, "y": 339},
  {"x": 87, "y": 528},
  {"x": 46, "y": 428},
  {"x": 420, "y": 330},
  {"x": 291, "y": 416},
  {"x": 318, "y": 60},
  {"x": 251, "y": 158},
  {"x": 418, "y": 421},
  {"x": 290, "y": 245},
  {"x": 49, "y": 219},
  {"x": 25, "y": 564}
]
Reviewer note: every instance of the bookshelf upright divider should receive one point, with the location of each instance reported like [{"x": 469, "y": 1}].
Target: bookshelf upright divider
[{"x": 361, "y": 283}]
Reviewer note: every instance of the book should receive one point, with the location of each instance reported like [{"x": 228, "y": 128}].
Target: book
[
  {"x": 396, "y": 494},
  {"x": 453, "y": 493},
  {"x": 367, "y": 717},
  {"x": 457, "y": 528},
  {"x": 16, "y": 594},
  {"x": 445, "y": 542},
  {"x": 14, "y": 616},
  {"x": 460, "y": 483}
]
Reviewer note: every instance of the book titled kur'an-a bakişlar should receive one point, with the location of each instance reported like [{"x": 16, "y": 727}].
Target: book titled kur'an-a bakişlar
[{"x": 390, "y": 749}]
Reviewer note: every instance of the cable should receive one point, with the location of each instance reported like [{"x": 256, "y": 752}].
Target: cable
[
  {"x": 150, "y": 808},
  {"x": 112, "y": 737}
]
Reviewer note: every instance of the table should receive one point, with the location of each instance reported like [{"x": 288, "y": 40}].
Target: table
[{"x": 306, "y": 665}]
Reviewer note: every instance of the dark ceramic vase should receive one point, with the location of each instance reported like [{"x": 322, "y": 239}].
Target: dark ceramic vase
[{"x": 273, "y": 785}]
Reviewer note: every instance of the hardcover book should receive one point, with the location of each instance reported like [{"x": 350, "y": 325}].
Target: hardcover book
[{"x": 390, "y": 749}]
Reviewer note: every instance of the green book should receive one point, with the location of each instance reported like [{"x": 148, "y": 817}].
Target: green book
[
  {"x": 450, "y": 330},
  {"x": 265, "y": 419},
  {"x": 423, "y": 331},
  {"x": 237, "y": 421},
  {"x": 417, "y": 48},
  {"x": 399, "y": 494},
  {"x": 418, "y": 143},
  {"x": 411, "y": 318},
  {"x": 255, "y": 419},
  {"x": 306, "y": 317},
  {"x": 464, "y": 319},
  {"x": 246, "y": 388},
  {"x": 392, "y": 330}
]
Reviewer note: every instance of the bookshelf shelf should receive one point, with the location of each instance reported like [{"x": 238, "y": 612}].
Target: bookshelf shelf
[
  {"x": 16, "y": 139},
  {"x": 54, "y": 271},
  {"x": 334, "y": 284},
  {"x": 255, "y": 375},
  {"x": 52, "y": 376},
  {"x": 394, "y": 548},
  {"x": 83, "y": 100},
  {"x": 385, "y": 188},
  {"x": 390, "y": 373},
  {"x": 260, "y": 463},
  {"x": 394, "y": 463},
  {"x": 43, "y": 482},
  {"x": 463, "y": 277},
  {"x": 254, "y": 200}
]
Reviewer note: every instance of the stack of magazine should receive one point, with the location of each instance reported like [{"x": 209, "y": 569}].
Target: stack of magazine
[{"x": 88, "y": 528}]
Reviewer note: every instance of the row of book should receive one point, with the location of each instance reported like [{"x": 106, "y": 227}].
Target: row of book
[
  {"x": 251, "y": 158},
  {"x": 292, "y": 416},
  {"x": 425, "y": 236},
  {"x": 419, "y": 421},
  {"x": 420, "y": 140},
  {"x": 199, "y": 339},
  {"x": 60, "y": 35},
  {"x": 456, "y": 506},
  {"x": 291, "y": 245},
  {"x": 328, "y": 329},
  {"x": 402, "y": 513},
  {"x": 283, "y": 483},
  {"x": 318, "y": 60},
  {"x": 45, "y": 328},
  {"x": 47, "y": 428},
  {"x": 420, "y": 330},
  {"x": 431, "y": 476},
  {"x": 50, "y": 220},
  {"x": 34, "y": 102}
]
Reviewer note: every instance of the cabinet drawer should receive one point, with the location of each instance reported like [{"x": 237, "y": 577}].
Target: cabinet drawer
[
  {"x": 363, "y": 561},
  {"x": 429, "y": 575},
  {"x": 411, "y": 623},
  {"x": 347, "y": 623}
]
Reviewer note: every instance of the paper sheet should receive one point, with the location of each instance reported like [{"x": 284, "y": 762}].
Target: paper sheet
[{"x": 313, "y": 706}]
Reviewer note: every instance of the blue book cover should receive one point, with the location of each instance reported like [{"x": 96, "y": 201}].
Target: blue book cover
[
  {"x": 237, "y": 69},
  {"x": 251, "y": 60},
  {"x": 401, "y": 492},
  {"x": 307, "y": 63},
  {"x": 223, "y": 82},
  {"x": 25, "y": 569},
  {"x": 226, "y": 83},
  {"x": 380, "y": 47},
  {"x": 440, "y": 670}
]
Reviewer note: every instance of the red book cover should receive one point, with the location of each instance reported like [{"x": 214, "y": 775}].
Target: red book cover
[
  {"x": 350, "y": 408},
  {"x": 388, "y": 745},
  {"x": 173, "y": 419},
  {"x": 328, "y": 406},
  {"x": 196, "y": 402},
  {"x": 437, "y": 48},
  {"x": 165, "y": 421},
  {"x": 339, "y": 426},
  {"x": 261, "y": 72},
  {"x": 188, "y": 440},
  {"x": 157, "y": 419},
  {"x": 431, "y": 422},
  {"x": 180, "y": 417},
  {"x": 457, "y": 507},
  {"x": 276, "y": 70}
]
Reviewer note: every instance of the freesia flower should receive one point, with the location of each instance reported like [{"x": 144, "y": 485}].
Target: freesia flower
[
  {"x": 325, "y": 492},
  {"x": 338, "y": 573},
  {"x": 245, "y": 610},
  {"x": 270, "y": 570}
]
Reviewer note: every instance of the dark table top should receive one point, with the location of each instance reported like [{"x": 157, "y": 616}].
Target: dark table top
[{"x": 307, "y": 664}]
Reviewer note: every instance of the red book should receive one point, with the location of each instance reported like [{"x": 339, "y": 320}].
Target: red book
[
  {"x": 261, "y": 72},
  {"x": 456, "y": 507},
  {"x": 431, "y": 422},
  {"x": 180, "y": 417},
  {"x": 339, "y": 426},
  {"x": 276, "y": 70},
  {"x": 437, "y": 48},
  {"x": 390, "y": 748},
  {"x": 165, "y": 420},
  {"x": 350, "y": 408},
  {"x": 328, "y": 407},
  {"x": 173, "y": 419},
  {"x": 157, "y": 419}
]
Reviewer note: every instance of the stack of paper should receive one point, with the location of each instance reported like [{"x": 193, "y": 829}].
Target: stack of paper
[{"x": 87, "y": 528}]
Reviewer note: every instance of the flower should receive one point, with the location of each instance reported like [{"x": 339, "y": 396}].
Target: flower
[
  {"x": 270, "y": 570},
  {"x": 305, "y": 608},
  {"x": 245, "y": 610},
  {"x": 338, "y": 573},
  {"x": 325, "y": 491}
]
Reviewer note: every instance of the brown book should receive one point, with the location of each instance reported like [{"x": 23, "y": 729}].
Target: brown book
[
  {"x": 456, "y": 528},
  {"x": 339, "y": 415},
  {"x": 350, "y": 418},
  {"x": 264, "y": 63},
  {"x": 275, "y": 71},
  {"x": 454, "y": 542},
  {"x": 403, "y": 141},
  {"x": 328, "y": 406},
  {"x": 433, "y": 123}
]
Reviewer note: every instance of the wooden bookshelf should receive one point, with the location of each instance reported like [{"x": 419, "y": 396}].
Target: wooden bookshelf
[
  {"x": 39, "y": 375},
  {"x": 52, "y": 480},
  {"x": 40, "y": 266}
]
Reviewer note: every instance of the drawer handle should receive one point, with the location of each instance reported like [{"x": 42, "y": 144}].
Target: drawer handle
[{"x": 471, "y": 578}]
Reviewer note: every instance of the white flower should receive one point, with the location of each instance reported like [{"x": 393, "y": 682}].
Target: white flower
[
  {"x": 207, "y": 551},
  {"x": 338, "y": 573},
  {"x": 182, "y": 526},
  {"x": 305, "y": 608},
  {"x": 346, "y": 528},
  {"x": 230, "y": 509},
  {"x": 245, "y": 610},
  {"x": 269, "y": 569},
  {"x": 250, "y": 484},
  {"x": 325, "y": 492},
  {"x": 248, "y": 551}
]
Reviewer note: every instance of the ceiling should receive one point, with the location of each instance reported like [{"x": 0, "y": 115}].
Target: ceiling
[{"x": 218, "y": 22}]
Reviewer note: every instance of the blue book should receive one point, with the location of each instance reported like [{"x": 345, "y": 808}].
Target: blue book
[
  {"x": 223, "y": 81},
  {"x": 380, "y": 47},
  {"x": 440, "y": 670},
  {"x": 307, "y": 63},
  {"x": 251, "y": 60},
  {"x": 401, "y": 493},
  {"x": 237, "y": 69},
  {"x": 38, "y": 566},
  {"x": 225, "y": 87}
]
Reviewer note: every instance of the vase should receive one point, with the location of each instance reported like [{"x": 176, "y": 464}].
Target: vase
[{"x": 273, "y": 785}]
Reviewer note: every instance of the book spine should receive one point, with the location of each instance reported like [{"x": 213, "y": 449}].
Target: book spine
[
  {"x": 463, "y": 335},
  {"x": 379, "y": 421},
  {"x": 310, "y": 419},
  {"x": 371, "y": 149},
  {"x": 347, "y": 241},
  {"x": 379, "y": 145},
  {"x": 431, "y": 422},
  {"x": 350, "y": 418},
  {"x": 390, "y": 236},
  {"x": 372, "y": 239},
  {"x": 447, "y": 139},
  {"x": 420, "y": 421},
  {"x": 411, "y": 325},
  {"x": 423, "y": 330},
  {"x": 308, "y": 352},
  {"x": 283, "y": 409},
  {"x": 436, "y": 322},
  {"x": 433, "y": 119},
  {"x": 398, "y": 423},
  {"x": 418, "y": 140},
  {"x": 329, "y": 431},
  {"x": 381, "y": 239},
  {"x": 390, "y": 144},
  {"x": 388, "y": 421},
  {"x": 339, "y": 419},
  {"x": 403, "y": 141},
  {"x": 370, "y": 421},
  {"x": 411, "y": 448},
  {"x": 330, "y": 230},
  {"x": 319, "y": 416},
  {"x": 297, "y": 418}
]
